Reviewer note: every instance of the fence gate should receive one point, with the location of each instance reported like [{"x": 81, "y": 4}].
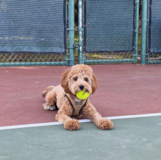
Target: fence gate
[
  {"x": 108, "y": 31},
  {"x": 33, "y": 32},
  {"x": 151, "y": 32}
]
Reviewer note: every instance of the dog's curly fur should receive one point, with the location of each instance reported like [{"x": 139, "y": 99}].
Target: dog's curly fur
[{"x": 72, "y": 78}]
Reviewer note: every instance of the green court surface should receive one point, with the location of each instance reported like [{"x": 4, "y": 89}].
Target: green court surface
[{"x": 131, "y": 139}]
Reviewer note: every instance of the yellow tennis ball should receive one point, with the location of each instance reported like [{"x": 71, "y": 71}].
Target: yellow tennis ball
[{"x": 82, "y": 95}]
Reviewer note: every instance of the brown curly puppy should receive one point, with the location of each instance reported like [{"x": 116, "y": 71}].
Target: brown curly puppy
[{"x": 77, "y": 78}]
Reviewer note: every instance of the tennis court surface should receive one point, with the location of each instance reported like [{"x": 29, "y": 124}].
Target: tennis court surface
[{"x": 128, "y": 94}]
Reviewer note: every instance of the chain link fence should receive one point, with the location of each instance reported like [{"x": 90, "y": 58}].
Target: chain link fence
[
  {"x": 33, "y": 32},
  {"x": 154, "y": 32},
  {"x": 110, "y": 32}
]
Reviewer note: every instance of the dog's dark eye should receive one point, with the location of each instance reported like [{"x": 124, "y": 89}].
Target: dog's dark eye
[
  {"x": 86, "y": 79},
  {"x": 75, "y": 78}
]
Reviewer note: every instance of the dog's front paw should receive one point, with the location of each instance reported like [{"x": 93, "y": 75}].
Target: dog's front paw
[
  {"x": 105, "y": 124},
  {"x": 72, "y": 124}
]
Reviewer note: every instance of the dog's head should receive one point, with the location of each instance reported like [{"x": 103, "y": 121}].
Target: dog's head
[{"x": 79, "y": 78}]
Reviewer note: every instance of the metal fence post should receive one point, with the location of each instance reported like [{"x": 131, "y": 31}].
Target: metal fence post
[
  {"x": 80, "y": 29},
  {"x": 71, "y": 31},
  {"x": 144, "y": 31},
  {"x": 136, "y": 28}
]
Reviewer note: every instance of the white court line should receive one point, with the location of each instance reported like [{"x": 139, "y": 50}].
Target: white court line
[{"x": 81, "y": 121}]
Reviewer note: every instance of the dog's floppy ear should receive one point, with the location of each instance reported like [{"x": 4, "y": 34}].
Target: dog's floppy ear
[
  {"x": 94, "y": 83},
  {"x": 64, "y": 81}
]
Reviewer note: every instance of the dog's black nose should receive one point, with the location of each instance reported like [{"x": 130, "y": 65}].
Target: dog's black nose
[{"x": 81, "y": 87}]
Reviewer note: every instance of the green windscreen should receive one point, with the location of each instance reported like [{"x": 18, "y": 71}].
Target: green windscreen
[
  {"x": 155, "y": 27},
  {"x": 109, "y": 25},
  {"x": 32, "y": 26}
]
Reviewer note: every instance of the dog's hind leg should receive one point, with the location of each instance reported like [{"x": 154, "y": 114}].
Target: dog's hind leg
[
  {"x": 50, "y": 107},
  {"x": 50, "y": 97}
]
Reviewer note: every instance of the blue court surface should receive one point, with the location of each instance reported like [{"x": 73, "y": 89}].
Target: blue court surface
[{"x": 133, "y": 138}]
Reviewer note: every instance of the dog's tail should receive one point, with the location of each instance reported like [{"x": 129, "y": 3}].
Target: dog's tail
[{"x": 48, "y": 89}]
